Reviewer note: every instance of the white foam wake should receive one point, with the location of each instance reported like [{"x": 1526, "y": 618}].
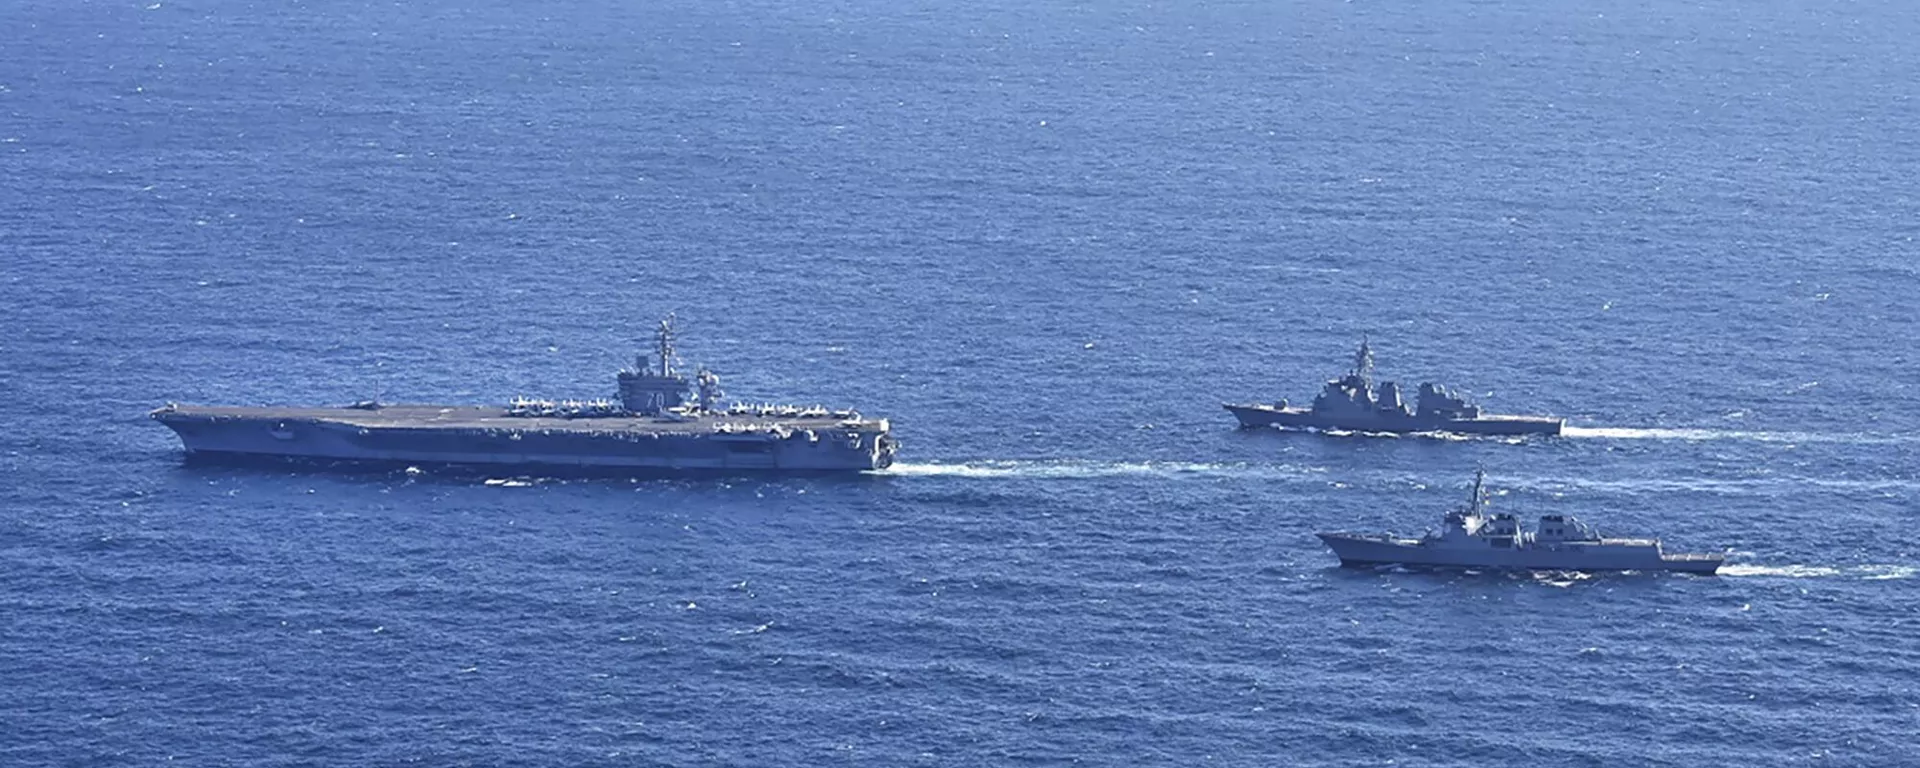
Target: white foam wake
[
  {"x": 1068, "y": 469},
  {"x": 1632, "y": 433},
  {"x": 1072, "y": 470},
  {"x": 1865, "y": 572},
  {"x": 1770, "y": 485}
]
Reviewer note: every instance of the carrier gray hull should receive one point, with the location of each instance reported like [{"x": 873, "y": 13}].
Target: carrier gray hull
[
  {"x": 1256, "y": 415},
  {"x": 478, "y": 436},
  {"x": 1361, "y": 550}
]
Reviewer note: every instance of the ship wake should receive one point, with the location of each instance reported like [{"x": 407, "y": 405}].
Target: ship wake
[
  {"x": 1861, "y": 572},
  {"x": 1700, "y": 435},
  {"x": 1077, "y": 470},
  {"x": 1769, "y": 486}
]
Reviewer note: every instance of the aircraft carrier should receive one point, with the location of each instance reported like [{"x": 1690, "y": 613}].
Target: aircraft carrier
[{"x": 651, "y": 426}]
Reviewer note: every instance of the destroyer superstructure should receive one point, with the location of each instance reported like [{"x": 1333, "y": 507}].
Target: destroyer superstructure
[
  {"x": 1354, "y": 403},
  {"x": 651, "y": 424},
  {"x": 1474, "y": 537}
]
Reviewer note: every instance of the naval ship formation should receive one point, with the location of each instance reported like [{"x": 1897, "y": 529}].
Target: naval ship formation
[
  {"x": 652, "y": 425},
  {"x": 1353, "y": 403}
]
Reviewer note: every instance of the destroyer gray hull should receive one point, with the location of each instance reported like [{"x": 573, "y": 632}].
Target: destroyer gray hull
[
  {"x": 1255, "y": 415},
  {"x": 1360, "y": 550},
  {"x": 488, "y": 437}
]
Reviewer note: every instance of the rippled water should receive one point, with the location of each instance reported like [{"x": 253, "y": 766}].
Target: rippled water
[{"x": 1047, "y": 241}]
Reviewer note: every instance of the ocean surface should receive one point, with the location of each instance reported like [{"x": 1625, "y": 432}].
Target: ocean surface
[{"x": 1047, "y": 240}]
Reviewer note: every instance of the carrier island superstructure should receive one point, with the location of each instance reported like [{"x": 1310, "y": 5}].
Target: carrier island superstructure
[{"x": 660, "y": 420}]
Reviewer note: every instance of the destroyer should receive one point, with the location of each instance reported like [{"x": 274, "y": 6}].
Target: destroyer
[
  {"x": 652, "y": 425},
  {"x": 1353, "y": 402},
  {"x": 1470, "y": 537}
]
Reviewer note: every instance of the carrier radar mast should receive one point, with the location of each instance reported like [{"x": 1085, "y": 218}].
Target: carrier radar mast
[
  {"x": 663, "y": 344},
  {"x": 1478, "y": 500},
  {"x": 1363, "y": 363}
]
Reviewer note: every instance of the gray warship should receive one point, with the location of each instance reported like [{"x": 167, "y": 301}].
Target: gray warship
[
  {"x": 1471, "y": 537},
  {"x": 1352, "y": 402},
  {"x": 653, "y": 425}
]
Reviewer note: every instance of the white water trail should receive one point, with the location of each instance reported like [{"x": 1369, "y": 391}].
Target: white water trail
[
  {"x": 1076, "y": 470},
  {"x": 1698, "y": 435},
  {"x": 1072, "y": 469},
  {"x": 1862, "y": 572},
  {"x": 1766, "y": 485}
]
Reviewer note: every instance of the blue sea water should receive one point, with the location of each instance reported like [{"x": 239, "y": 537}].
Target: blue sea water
[{"x": 1047, "y": 240}]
